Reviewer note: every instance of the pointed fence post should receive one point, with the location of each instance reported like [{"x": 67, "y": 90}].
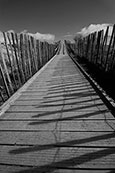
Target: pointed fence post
[
  {"x": 12, "y": 62},
  {"x": 16, "y": 58}
]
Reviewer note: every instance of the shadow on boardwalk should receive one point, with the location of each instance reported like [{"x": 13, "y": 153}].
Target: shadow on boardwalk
[
  {"x": 80, "y": 102},
  {"x": 74, "y": 161},
  {"x": 63, "y": 144}
]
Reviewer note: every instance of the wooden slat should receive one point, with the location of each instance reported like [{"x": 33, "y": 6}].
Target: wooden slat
[
  {"x": 44, "y": 138},
  {"x": 25, "y": 169},
  {"x": 67, "y": 157},
  {"x": 80, "y": 125}
]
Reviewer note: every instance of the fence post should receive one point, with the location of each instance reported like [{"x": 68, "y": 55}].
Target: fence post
[
  {"x": 22, "y": 56},
  {"x": 27, "y": 56},
  {"x": 38, "y": 53},
  {"x": 7, "y": 74},
  {"x": 92, "y": 46},
  {"x": 33, "y": 53},
  {"x": 87, "y": 46},
  {"x": 4, "y": 63},
  {"x": 98, "y": 47},
  {"x": 109, "y": 47},
  {"x": 4, "y": 81},
  {"x": 102, "y": 59},
  {"x": 17, "y": 63},
  {"x": 12, "y": 62}
]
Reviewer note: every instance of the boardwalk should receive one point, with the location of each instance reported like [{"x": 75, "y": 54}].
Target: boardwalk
[{"x": 58, "y": 124}]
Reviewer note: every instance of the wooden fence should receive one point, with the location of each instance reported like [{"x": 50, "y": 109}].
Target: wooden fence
[
  {"x": 22, "y": 57},
  {"x": 98, "y": 48}
]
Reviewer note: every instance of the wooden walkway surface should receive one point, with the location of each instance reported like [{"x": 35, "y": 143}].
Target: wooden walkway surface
[{"x": 58, "y": 125}]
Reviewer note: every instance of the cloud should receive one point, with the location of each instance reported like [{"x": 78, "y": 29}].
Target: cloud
[
  {"x": 43, "y": 37},
  {"x": 93, "y": 28},
  {"x": 68, "y": 35}
]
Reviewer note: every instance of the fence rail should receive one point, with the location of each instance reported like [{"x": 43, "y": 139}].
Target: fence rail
[{"x": 21, "y": 57}]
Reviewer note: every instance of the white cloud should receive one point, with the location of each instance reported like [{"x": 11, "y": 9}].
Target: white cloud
[
  {"x": 68, "y": 35},
  {"x": 95, "y": 27},
  {"x": 43, "y": 37}
]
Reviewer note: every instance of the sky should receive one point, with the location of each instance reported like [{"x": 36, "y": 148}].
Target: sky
[{"x": 62, "y": 18}]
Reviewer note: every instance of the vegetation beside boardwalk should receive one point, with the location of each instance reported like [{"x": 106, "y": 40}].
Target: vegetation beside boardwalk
[{"x": 21, "y": 57}]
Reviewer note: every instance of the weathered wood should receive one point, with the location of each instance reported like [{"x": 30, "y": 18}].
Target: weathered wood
[
  {"x": 16, "y": 58},
  {"x": 67, "y": 157},
  {"x": 22, "y": 56},
  {"x": 112, "y": 57},
  {"x": 33, "y": 53},
  {"x": 109, "y": 47},
  {"x": 13, "y": 68},
  {"x": 4, "y": 81},
  {"x": 19, "y": 58},
  {"x": 27, "y": 54},
  {"x": 92, "y": 46},
  {"x": 38, "y": 54},
  {"x": 87, "y": 47},
  {"x": 40, "y": 138},
  {"x": 98, "y": 46},
  {"x": 6, "y": 71},
  {"x": 31, "y": 57},
  {"x": 1, "y": 94},
  {"x": 104, "y": 44},
  {"x": 5, "y": 67}
]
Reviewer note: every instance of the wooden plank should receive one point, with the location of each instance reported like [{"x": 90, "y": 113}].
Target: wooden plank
[
  {"x": 28, "y": 115},
  {"x": 27, "y": 138},
  {"x": 67, "y": 115},
  {"x": 35, "y": 108},
  {"x": 71, "y": 125},
  {"x": 67, "y": 157},
  {"x": 44, "y": 138},
  {"x": 94, "y": 115},
  {"x": 54, "y": 102},
  {"x": 25, "y": 169},
  {"x": 67, "y": 108},
  {"x": 11, "y": 169}
]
